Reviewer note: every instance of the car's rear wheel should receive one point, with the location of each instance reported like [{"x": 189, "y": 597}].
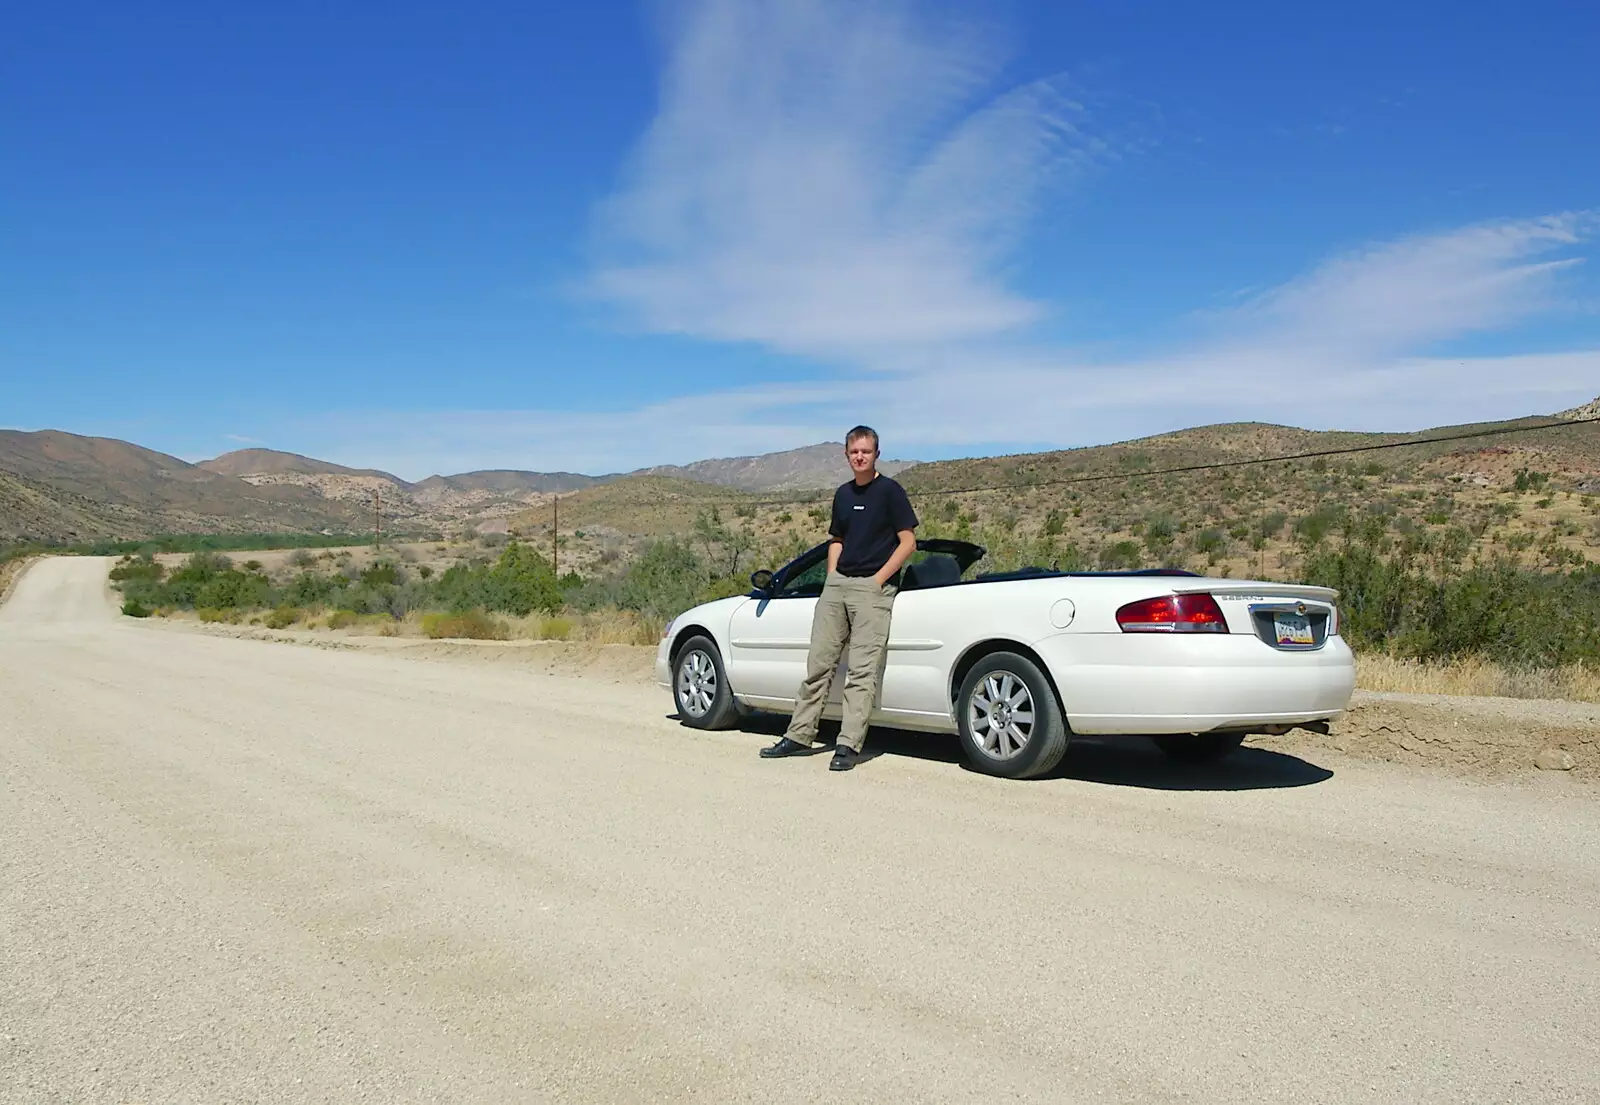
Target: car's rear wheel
[
  {"x": 1199, "y": 748},
  {"x": 700, "y": 686},
  {"x": 1011, "y": 724}
]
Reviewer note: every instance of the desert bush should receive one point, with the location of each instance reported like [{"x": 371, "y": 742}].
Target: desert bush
[
  {"x": 1401, "y": 599},
  {"x": 470, "y": 624},
  {"x": 301, "y": 558},
  {"x": 1314, "y": 528},
  {"x": 1159, "y": 531},
  {"x": 217, "y": 614},
  {"x": 282, "y": 617},
  {"x": 382, "y": 574},
  {"x": 312, "y": 589},
  {"x": 1530, "y": 481},
  {"x": 1120, "y": 556},
  {"x": 343, "y": 619},
  {"x": 1210, "y": 543},
  {"x": 234, "y": 589},
  {"x": 663, "y": 582},
  {"x": 133, "y": 608},
  {"x": 144, "y": 569}
]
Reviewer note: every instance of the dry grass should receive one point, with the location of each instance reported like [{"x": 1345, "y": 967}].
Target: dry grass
[
  {"x": 9, "y": 571},
  {"x": 1478, "y": 677},
  {"x": 471, "y": 625},
  {"x": 601, "y": 627}
]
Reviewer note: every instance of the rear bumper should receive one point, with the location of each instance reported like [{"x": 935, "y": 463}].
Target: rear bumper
[{"x": 1194, "y": 683}]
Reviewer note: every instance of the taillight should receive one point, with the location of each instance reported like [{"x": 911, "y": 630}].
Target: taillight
[{"x": 1173, "y": 614}]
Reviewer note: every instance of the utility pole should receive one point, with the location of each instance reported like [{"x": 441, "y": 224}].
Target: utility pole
[{"x": 555, "y": 531}]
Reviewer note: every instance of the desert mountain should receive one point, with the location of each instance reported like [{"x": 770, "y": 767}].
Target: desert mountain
[
  {"x": 62, "y": 486},
  {"x": 809, "y": 468},
  {"x": 509, "y": 482},
  {"x": 67, "y": 486},
  {"x": 271, "y": 462},
  {"x": 31, "y": 510}
]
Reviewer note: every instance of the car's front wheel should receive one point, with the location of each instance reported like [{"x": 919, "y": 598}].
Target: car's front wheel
[
  {"x": 1011, "y": 724},
  {"x": 700, "y": 686},
  {"x": 1199, "y": 748}
]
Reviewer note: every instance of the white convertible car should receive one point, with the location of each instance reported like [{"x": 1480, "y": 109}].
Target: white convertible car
[{"x": 1018, "y": 662}]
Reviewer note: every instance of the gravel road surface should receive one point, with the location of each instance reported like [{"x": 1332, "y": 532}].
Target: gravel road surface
[{"x": 235, "y": 870}]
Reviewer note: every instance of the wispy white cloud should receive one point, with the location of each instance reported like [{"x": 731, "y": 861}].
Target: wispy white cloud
[
  {"x": 1425, "y": 288},
  {"x": 834, "y": 175}
]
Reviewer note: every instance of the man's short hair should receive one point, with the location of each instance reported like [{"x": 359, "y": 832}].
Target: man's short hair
[{"x": 860, "y": 432}]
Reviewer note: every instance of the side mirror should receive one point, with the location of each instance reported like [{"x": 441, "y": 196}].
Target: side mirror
[{"x": 761, "y": 580}]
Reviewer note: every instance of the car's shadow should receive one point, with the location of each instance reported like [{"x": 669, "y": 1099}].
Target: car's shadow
[{"x": 1121, "y": 762}]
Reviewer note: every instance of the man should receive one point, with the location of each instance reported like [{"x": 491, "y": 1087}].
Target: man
[{"x": 871, "y": 536}]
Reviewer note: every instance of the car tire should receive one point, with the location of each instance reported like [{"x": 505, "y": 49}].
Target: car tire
[
  {"x": 1198, "y": 748},
  {"x": 700, "y": 686},
  {"x": 995, "y": 738}
]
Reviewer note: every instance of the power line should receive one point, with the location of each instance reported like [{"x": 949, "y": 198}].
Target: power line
[{"x": 1214, "y": 465}]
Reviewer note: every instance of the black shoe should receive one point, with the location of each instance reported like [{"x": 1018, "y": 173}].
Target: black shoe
[
  {"x": 784, "y": 747},
  {"x": 843, "y": 759}
]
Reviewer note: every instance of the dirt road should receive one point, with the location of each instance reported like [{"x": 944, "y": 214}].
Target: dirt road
[{"x": 233, "y": 870}]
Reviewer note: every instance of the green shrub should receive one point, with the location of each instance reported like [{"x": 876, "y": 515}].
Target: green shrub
[
  {"x": 343, "y": 619},
  {"x": 282, "y": 618},
  {"x": 1424, "y": 603},
  {"x": 133, "y": 608},
  {"x": 664, "y": 582},
  {"x": 470, "y": 624},
  {"x": 216, "y": 614},
  {"x": 381, "y": 574},
  {"x": 1121, "y": 556},
  {"x": 145, "y": 571}
]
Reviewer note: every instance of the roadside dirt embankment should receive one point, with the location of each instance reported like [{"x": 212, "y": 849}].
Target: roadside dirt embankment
[{"x": 10, "y": 572}]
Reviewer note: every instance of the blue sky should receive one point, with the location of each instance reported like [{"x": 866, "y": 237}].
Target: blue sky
[{"x": 594, "y": 237}]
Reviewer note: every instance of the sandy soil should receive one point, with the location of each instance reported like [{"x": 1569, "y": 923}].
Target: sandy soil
[{"x": 232, "y": 870}]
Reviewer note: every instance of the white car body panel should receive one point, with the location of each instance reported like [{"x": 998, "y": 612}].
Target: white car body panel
[{"x": 1110, "y": 681}]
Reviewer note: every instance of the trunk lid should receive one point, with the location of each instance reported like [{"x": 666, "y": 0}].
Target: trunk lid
[{"x": 1289, "y": 617}]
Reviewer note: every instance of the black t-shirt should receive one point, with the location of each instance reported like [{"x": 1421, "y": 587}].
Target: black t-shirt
[{"x": 869, "y": 520}]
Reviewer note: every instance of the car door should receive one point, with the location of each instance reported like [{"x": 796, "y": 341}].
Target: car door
[
  {"x": 922, "y": 644},
  {"x": 769, "y": 637}
]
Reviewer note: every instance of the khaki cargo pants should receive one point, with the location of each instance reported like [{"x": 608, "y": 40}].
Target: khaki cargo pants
[{"x": 855, "y": 612}]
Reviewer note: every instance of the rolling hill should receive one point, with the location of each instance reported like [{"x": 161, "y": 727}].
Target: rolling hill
[
  {"x": 810, "y": 468},
  {"x": 507, "y": 482},
  {"x": 66, "y": 486},
  {"x": 271, "y": 462},
  {"x": 1529, "y": 490}
]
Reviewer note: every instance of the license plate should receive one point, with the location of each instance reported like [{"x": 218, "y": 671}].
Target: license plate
[{"x": 1292, "y": 629}]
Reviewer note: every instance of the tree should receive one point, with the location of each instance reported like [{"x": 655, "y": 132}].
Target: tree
[
  {"x": 725, "y": 547},
  {"x": 665, "y": 581},
  {"x": 521, "y": 582}
]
